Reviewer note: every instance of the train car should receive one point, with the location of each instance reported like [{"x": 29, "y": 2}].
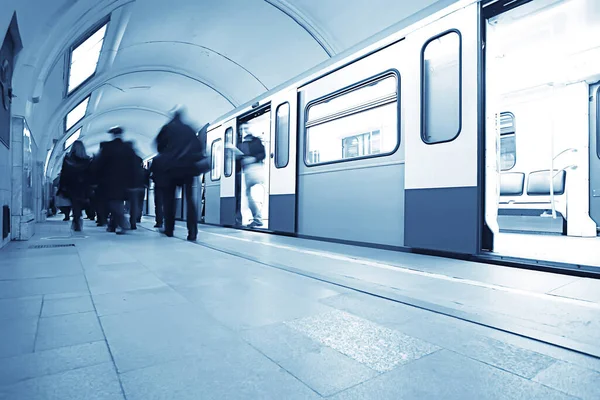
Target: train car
[{"x": 444, "y": 136}]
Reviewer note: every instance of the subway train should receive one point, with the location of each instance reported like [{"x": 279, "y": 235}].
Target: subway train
[{"x": 473, "y": 131}]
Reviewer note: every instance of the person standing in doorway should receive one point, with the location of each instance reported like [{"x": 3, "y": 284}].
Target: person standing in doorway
[{"x": 252, "y": 162}]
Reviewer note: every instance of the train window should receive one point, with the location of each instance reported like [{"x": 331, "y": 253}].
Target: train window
[
  {"x": 508, "y": 145},
  {"x": 84, "y": 57},
  {"x": 354, "y": 124},
  {"x": 282, "y": 136},
  {"x": 228, "y": 166},
  {"x": 216, "y": 154},
  {"x": 441, "y": 88}
]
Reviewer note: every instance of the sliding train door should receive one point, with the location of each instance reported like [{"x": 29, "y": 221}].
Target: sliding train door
[
  {"x": 542, "y": 64},
  {"x": 595, "y": 153},
  {"x": 212, "y": 179},
  {"x": 228, "y": 178},
  {"x": 282, "y": 193},
  {"x": 442, "y": 199}
]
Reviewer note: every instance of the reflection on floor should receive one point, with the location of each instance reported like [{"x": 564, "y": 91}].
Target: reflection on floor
[{"x": 149, "y": 317}]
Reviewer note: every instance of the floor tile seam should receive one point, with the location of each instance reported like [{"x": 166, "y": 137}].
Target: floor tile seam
[
  {"x": 46, "y": 375},
  {"x": 563, "y": 285},
  {"x": 513, "y": 329},
  {"x": 36, "y": 278},
  {"x": 283, "y": 368},
  {"x": 37, "y": 327},
  {"x": 112, "y": 358},
  {"x": 415, "y": 271},
  {"x": 380, "y": 374},
  {"x": 555, "y": 360}
]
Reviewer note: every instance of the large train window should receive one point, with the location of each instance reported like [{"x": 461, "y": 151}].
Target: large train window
[
  {"x": 441, "y": 88},
  {"x": 228, "y": 159},
  {"x": 508, "y": 145},
  {"x": 355, "y": 123},
  {"x": 216, "y": 155},
  {"x": 282, "y": 136}
]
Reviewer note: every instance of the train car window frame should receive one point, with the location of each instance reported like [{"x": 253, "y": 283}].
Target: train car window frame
[
  {"x": 228, "y": 155},
  {"x": 355, "y": 110},
  {"x": 460, "y": 84},
  {"x": 278, "y": 149},
  {"x": 215, "y": 171},
  {"x": 506, "y": 135},
  {"x": 102, "y": 24}
]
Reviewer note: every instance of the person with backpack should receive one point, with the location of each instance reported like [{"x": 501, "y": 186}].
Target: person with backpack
[{"x": 253, "y": 170}]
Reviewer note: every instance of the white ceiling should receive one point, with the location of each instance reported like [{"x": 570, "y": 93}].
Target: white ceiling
[{"x": 209, "y": 55}]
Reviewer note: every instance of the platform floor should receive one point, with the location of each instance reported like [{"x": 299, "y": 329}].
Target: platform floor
[{"x": 248, "y": 315}]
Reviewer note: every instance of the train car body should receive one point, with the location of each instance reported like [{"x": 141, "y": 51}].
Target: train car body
[{"x": 443, "y": 136}]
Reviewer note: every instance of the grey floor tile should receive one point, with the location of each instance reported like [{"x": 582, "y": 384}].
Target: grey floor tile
[
  {"x": 98, "y": 382},
  {"x": 22, "y": 307},
  {"x": 115, "y": 303},
  {"x": 584, "y": 289},
  {"x": 243, "y": 375},
  {"x": 70, "y": 305},
  {"x": 115, "y": 278},
  {"x": 384, "y": 312},
  {"x": 68, "y": 330},
  {"x": 376, "y": 346},
  {"x": 34, "y": 365},
  {"x": 321, "y": 368},
  {"x": 447, "y": 375},
  {"x": 17, "y": 336},
  {"x": 250, "y": 304},
  {"x": 41, "y": 268},
  {"x": 571, "y": 379},
  {"x": 33, "y": 287},
  {"x": 143, "y": 338},
  {"x": 465, "y": 338}
]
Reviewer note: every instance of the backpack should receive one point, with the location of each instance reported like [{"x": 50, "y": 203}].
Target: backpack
[{"x": 257, "y": 149}]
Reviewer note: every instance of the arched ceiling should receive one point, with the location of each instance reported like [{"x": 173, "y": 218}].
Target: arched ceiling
[{"x": 209, "y": 55}]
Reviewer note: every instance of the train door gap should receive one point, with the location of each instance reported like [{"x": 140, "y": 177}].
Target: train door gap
[
  {"x": 252, "y": 204},
  {"x": 542, "y": 165}
]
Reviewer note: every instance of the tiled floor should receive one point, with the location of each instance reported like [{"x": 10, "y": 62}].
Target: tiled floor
[{"x": 146, "y": 317}]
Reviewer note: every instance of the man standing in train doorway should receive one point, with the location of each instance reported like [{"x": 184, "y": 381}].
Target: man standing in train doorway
[{"x": 252, "y": 161}]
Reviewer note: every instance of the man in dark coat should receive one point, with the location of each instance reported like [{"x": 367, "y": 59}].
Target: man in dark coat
[
  {"x": 161, "y": 182},
  {"x": 116, "y": 166},
  {"x": 179, "y": 164},
  {"x": 136, "y": 198}
]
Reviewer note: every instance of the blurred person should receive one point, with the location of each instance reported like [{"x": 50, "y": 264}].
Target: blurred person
[
  {"x": 181, "y": 162},
  {"x": 115, "y": 168},
  {"x": 74, "y": 180},
  {"x": 251, "y": 155},
  {"x": 136, "y": 194}
]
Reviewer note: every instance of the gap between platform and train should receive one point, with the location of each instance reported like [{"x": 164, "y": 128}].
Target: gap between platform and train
[{"x": 539, "y": 336}]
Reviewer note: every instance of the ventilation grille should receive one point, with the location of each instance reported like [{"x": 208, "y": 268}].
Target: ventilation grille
[{"x": 50, "y": 246}]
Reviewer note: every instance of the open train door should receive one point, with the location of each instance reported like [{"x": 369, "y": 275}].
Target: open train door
[
  {"x": 212, "y": 179},
  {"x": 228, "y": 207},
  {"x": 443, "y": 209},
  {"x": 282, "y": 195}
]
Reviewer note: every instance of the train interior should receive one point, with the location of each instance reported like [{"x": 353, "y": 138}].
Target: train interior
[
  {"x": 259, "y": 126},
  {"x": 542, "y": 73}
]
